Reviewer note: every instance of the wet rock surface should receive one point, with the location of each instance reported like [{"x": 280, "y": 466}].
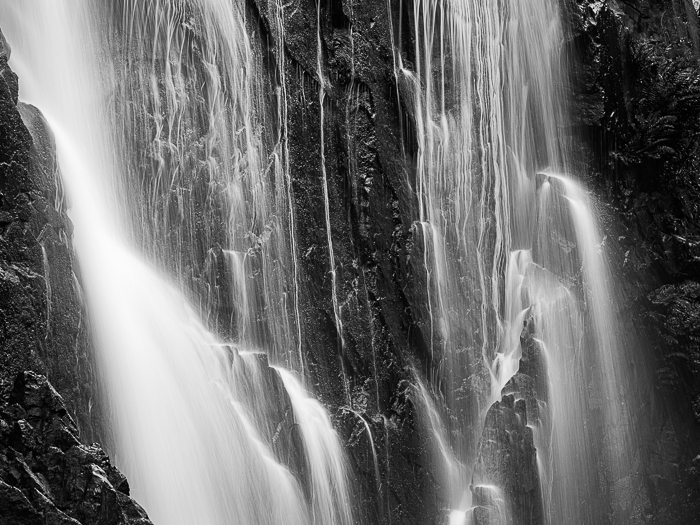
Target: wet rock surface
[
  {"x": 636, "y": 106},
  {"x": 635, "y": 89},
  {"x": 506, "y": 481},
  {"x": 47, "y": 476},
  {"x": 637, "y": 109},
  {"x": 372, "y": 208},
  {"x": 506, "y": 484},
  {"x": 42, "y": 320}
]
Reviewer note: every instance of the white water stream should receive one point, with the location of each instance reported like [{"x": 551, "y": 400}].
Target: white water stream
[
  {"x": 485, "y": 87},
  {"x": 189, "y": 414},
  {"x": 179, "y": 199}
]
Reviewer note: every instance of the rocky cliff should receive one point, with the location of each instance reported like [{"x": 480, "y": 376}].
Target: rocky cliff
[
  {"x": 47, "y": 472},
  {"x": 635, "y": 109},
  {"x": 372, "y": 206},
  {"x": 42, "y": 316},
  {"x": 636, "y": 106}
]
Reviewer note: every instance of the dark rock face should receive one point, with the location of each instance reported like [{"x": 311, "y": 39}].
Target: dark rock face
[
  {"x": 507, "y": 461},
  {"x": 372, "y": 206},
  {"x": 506, "y": 484},
  {"x": 46, "y": 474},
  {"x": 676, "y": 307},
  {"x": 637, "y": 108},
  {"x": 636, "y": 98},
  {"x": 8, "y": 77},
  {"x": 42, "y": 324},
  {"x": 19, "y": 295}
]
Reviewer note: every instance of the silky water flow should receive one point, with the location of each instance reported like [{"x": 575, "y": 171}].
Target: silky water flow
[
  {"x": 514, "y": 262},
  {"x": 178, "y": 198},
  {"x": 190, "y": 414}
]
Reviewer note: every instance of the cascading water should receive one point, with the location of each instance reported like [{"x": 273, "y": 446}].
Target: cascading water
[
  {"x": 331, "y": 502},
  {"x": 178, "y": 172},
  {"x": 604, "y": 359},
  {"x": 506, "y": 266},
  {"x": 167, "y": 172},
  {"x": 452, "y": 471},
  {"x": 190, "y": 87}
]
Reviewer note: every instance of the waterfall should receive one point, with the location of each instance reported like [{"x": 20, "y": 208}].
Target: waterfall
[
  {"x": 330, "y": 498},
  {"x": 453, "y": 472},
  {"x": 605, "y": 348},
  {"x": 173, "y": 122},
  {"x": 164, "y": 167},
  {"x": 509, "y": 266}
]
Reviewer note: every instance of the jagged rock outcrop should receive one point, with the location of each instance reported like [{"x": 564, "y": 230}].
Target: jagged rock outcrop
[
  {"x": 506, "y": 484},
  {"x": 42, "y": 322},
  {"x": 47, "y": 476}
]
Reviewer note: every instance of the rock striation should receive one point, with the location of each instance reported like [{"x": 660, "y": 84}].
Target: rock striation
[{"x": 506, "y": 484}]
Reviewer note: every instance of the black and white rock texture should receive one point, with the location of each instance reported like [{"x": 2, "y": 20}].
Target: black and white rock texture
[
  {"x": 47, "y": 476},
  {"x": 636, "y": 117},
  {"x": 42, "y": 320},
  {"x": 636, "y": 110}
]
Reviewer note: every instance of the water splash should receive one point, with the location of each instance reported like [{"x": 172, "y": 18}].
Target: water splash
[{"x": 505, "y": 364}]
